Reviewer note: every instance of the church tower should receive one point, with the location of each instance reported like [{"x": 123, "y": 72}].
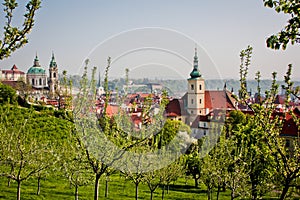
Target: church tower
[
  {"x": 53, "y": 78},
  {"x": 196, "y": 91}
]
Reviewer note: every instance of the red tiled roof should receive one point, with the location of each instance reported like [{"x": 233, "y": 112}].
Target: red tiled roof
[
  {"x": 112, "y": 110},
  {"x": 13, "y": 70},
  {"x": 219, "y": 99},
  {"x": 280, "y": 99},
  {"x": 173, "y": 108},
  {"x": 290, "y": 127}
]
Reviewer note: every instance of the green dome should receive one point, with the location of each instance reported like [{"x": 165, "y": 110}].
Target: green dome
[
  {"x": 36, "y": 70},
  {"x": 195, "y": 73}
]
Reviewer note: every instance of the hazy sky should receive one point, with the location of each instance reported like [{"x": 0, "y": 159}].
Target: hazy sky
[{"x": 156, "y": 38}]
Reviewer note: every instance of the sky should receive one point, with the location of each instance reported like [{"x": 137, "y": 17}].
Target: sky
[{"x": 156, "y": 38}]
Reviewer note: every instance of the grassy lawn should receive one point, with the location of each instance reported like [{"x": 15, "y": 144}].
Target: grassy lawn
[{"x": 119, "y": 188}]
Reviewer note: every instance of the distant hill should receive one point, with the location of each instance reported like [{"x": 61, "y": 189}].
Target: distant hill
[{"x": 177, "y": 88}]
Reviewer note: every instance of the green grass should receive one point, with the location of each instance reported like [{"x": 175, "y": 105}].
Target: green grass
[{"x": 119, "y": 188}]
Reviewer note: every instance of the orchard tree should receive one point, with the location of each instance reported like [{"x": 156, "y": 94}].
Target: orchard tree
[
  {"x": 290, "y": 33},
  {"x": 193, "y": 164},
  {"x": 90, "y": 134},
  {"x": 14, "y": 37},
  {"x": 235, "y": 173},
  {"x": 287, "y": 162},
  {"x": 135, "y": 170},
  {"x": 29, "y": 143},
  {"x": 171, "y": 173},
  {"x": 76, "y": 168},
  {"x": 265, "y": 153},
  {"x": 152, "y": 180}
]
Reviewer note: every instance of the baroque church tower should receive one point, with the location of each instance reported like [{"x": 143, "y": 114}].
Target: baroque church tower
[
  {"x": 53, "y": 78},
  {"x": 196, "y": 91}
]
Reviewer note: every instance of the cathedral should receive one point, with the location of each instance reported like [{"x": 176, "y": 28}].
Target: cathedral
[{"x": 44, "y": 85}]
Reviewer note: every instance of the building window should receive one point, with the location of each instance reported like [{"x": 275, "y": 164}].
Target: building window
[
  {"x": 200, "y": 87},
  {"x": 200, "y": 101},
  {"x": 192, "y": 101},
  {"x": 192, "y": 86},
  {"x": 32, "y": 81},
  {"x": 54, "y": 75},
  {"x": 40, "y": 81},
  {"x": 204, "y": 132},
  {"x": 192, "y": 112}
]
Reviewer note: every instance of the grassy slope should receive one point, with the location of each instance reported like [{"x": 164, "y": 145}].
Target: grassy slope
[{"x": 119, "y": 188}]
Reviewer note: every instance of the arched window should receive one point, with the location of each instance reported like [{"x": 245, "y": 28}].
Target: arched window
[
  {"x": 192, "y": 86},
  {"x": 40, "y": 81},
  {"x": 54, "y": 75},
  {"x": 200, "y": 101},
  {"x": 32, "y": 81},
  {"x": 200, "y": 87}
]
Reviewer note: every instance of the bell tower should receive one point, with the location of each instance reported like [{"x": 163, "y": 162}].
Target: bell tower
[
  {"x": 53, "y": 78},
  {"x": 196, "y": 91}
]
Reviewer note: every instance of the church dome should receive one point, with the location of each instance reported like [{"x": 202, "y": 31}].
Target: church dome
[
  {"x": 36, "y": 68},
  {"x": 195, "y": 73}
]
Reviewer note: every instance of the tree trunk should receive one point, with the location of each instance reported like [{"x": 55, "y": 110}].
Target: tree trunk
[
  {"x": 218, "y": 192},
  {"x": 39, "y": 186},
  {"x": 196, "y": 182},
  {"x": 254, "y": 190},
  {"x": 254, "y": 184},
  {"x": 168, "y": 188},
  {"x": 136, "y": 191},
  {"x": 208, "y": 193},
  {"x": 224, "y": 187},
  {"x": 106, "y": 188},
  {"x": 8, "y": 182},
  {"x": 284, "y": 191},
  {"x": 96, "y": 186},
  {"x": 232, "y": 195},
  {"x": 163, "y": 192},
  {"x": 151, "y": 194},
  {"x": 76, "y": 192},
  {"x": 19, "y": 190}
]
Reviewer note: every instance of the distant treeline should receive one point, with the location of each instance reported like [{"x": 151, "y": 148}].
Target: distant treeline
[{"x": 179, "y": 87}]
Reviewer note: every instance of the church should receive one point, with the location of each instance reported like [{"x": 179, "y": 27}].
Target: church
[
  {"x": 200, "y": 108},
  {"x": 44, "y": 85}
]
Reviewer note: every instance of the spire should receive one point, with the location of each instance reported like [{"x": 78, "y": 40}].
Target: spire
[
  {"x": 36, "y": 61},
  {"x": 52, "y": 62},
  {"x": 99, "y": 80},
  {"x": 195, "y": 73},
  {"x": 196, "y": 58}
]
